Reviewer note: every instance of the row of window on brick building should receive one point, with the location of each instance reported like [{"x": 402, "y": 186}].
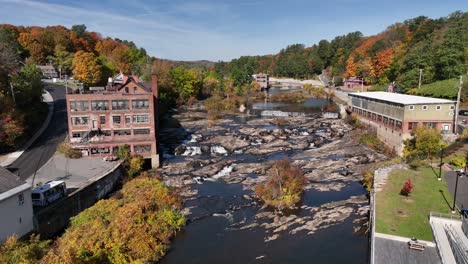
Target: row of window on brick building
[
  {"x": 116, "y": 132},
  {"x": 116, "y": 120},
  {"x": 107, "y": 150},
  {"x": 386, "y": 121},
  {"x": 103, "y": 105}
]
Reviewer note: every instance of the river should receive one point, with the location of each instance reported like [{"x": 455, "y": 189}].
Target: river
[{"x": 217, "y": 164}]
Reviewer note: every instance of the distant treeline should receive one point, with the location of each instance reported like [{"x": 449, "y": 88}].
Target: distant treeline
[{"x": 437, "y": 46}]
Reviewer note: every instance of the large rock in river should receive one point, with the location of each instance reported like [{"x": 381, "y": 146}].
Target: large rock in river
[{"x": 229, "y": 142}]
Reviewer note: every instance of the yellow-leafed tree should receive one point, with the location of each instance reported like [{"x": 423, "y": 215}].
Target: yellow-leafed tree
[
  {"x": 86, "y": 68},
  {"x": 351, "y": 67}
]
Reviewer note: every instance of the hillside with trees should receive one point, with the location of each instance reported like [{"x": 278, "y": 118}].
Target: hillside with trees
[{"x": 437, "y": 46}]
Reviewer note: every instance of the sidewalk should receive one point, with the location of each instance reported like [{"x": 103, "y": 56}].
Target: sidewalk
[{"x": 9, "y": 158}]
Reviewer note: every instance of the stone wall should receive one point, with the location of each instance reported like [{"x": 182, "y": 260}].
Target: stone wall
[{"x": 52, "y": 220}]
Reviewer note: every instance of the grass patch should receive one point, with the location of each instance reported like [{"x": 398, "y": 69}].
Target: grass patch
[
  {"x": 409, "y": 216},
  {"x": 440, "y": 89}
]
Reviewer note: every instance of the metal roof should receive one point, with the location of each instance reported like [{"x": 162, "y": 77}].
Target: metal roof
[
  {"x": 403, "y": 99},
  {"x": 8, "y": 180}
]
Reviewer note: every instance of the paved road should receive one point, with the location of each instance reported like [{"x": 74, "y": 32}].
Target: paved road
[
  {"x": 462, "y": 189},
  {"x": 44, "y": 147},
  {"x": 323, "y": 77}
]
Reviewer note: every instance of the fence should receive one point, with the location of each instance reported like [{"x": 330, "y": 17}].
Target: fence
[{"x": 372, "y": 227}]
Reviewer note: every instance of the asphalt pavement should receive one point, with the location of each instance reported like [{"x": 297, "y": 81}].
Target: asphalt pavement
[
  {"x": 462, "y": 189},
  {"x": 46, "y": 144}
]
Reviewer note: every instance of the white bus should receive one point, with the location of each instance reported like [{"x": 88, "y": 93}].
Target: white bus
[{"x": 48, "y": 193}]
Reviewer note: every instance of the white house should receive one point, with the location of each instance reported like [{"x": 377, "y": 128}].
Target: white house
[{"x": 16, "y": 210}]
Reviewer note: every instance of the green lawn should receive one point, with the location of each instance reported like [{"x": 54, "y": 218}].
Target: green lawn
[{"x": 409, "y": 216}]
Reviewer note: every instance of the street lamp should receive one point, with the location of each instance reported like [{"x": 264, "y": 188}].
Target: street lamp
[{"x": 441, "y": 163}]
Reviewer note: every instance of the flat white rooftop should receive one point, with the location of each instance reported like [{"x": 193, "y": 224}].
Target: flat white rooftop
[{"x": 403, "y": 99}]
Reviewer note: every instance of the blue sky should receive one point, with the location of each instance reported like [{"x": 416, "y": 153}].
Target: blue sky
[{"x": 223, "y": 30}]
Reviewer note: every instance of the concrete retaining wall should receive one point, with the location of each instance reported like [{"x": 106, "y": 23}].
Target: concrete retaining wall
[{"x": 52, "y": 220}]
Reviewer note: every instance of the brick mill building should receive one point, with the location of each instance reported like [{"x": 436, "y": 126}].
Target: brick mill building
[
  {"x": 395, "y": 115},
  {"x": 122, "y": 113}
]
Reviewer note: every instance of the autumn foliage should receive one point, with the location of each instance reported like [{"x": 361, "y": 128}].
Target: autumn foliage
[
  {"x": 86, "y": 68},
  {"x": 134, "y": 227},
  {"x": 284, "y": 186},
  {"x": 407, "y": 188}
]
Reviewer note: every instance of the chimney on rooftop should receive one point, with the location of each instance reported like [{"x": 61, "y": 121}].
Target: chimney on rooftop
[{"x": 154, "y": 85}]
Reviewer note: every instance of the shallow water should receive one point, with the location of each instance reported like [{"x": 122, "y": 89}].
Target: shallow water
[{"x": 212, "y": 234}]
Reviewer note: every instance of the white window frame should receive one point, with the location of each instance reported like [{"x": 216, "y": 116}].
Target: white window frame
[
  {"x": 120, "y": 118},
  {"x": 411, "y": 107},
  {"x": 438, "y": 107},
  {"x": 424, "y": 107},
  {"x": 138, "y": 119}
]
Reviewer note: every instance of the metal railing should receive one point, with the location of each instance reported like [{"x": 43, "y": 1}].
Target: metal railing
[
  {"x": 372, "y": 226},
  {"x": 458, "y": 247},
  {"x": 445, "y": 216}
]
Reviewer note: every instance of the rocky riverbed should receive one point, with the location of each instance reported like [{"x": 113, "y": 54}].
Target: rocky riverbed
[{"x": 216, "y": 165}]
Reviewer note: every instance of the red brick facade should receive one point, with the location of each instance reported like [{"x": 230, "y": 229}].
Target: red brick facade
[{"x": 124, "y": 113}]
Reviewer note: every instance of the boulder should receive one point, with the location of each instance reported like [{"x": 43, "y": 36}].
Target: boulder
[{"x": 230, "y": 143}]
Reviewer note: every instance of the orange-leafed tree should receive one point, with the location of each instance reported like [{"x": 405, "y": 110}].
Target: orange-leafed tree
[
  {"x": 86, "y": 68},
  {"x": 382, "y": 62},
  {"x": 121, "y": 58},
  {"x": 351, "y": 68}
]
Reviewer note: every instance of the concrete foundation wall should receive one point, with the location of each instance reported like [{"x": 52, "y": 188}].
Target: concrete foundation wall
[
  {"x": 392, "y": 138},
  {"x": 54, "y": 219}
]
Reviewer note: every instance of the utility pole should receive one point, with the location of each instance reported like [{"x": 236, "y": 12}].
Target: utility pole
[
  {"x": 440, "y": 164},
  {"x": 455, "y": 127},
  {"x": 420, "y": 78}
]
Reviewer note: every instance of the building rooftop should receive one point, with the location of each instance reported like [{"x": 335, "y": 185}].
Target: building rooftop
[
  {"x": 74, "y": 172},
  {"x": 402, "y": 99},
  {"x": 8, "y": 180},
  {"x": 46, "y": 67}
]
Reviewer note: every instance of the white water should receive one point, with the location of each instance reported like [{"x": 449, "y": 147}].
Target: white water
[
  {"x": 194, "y": 138},
  {"x": 192, "y": 151},
  {"x": 224, "y": 172},
  {"x": 228, "y": 216},
  {"x": 218, "y": 150}
]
